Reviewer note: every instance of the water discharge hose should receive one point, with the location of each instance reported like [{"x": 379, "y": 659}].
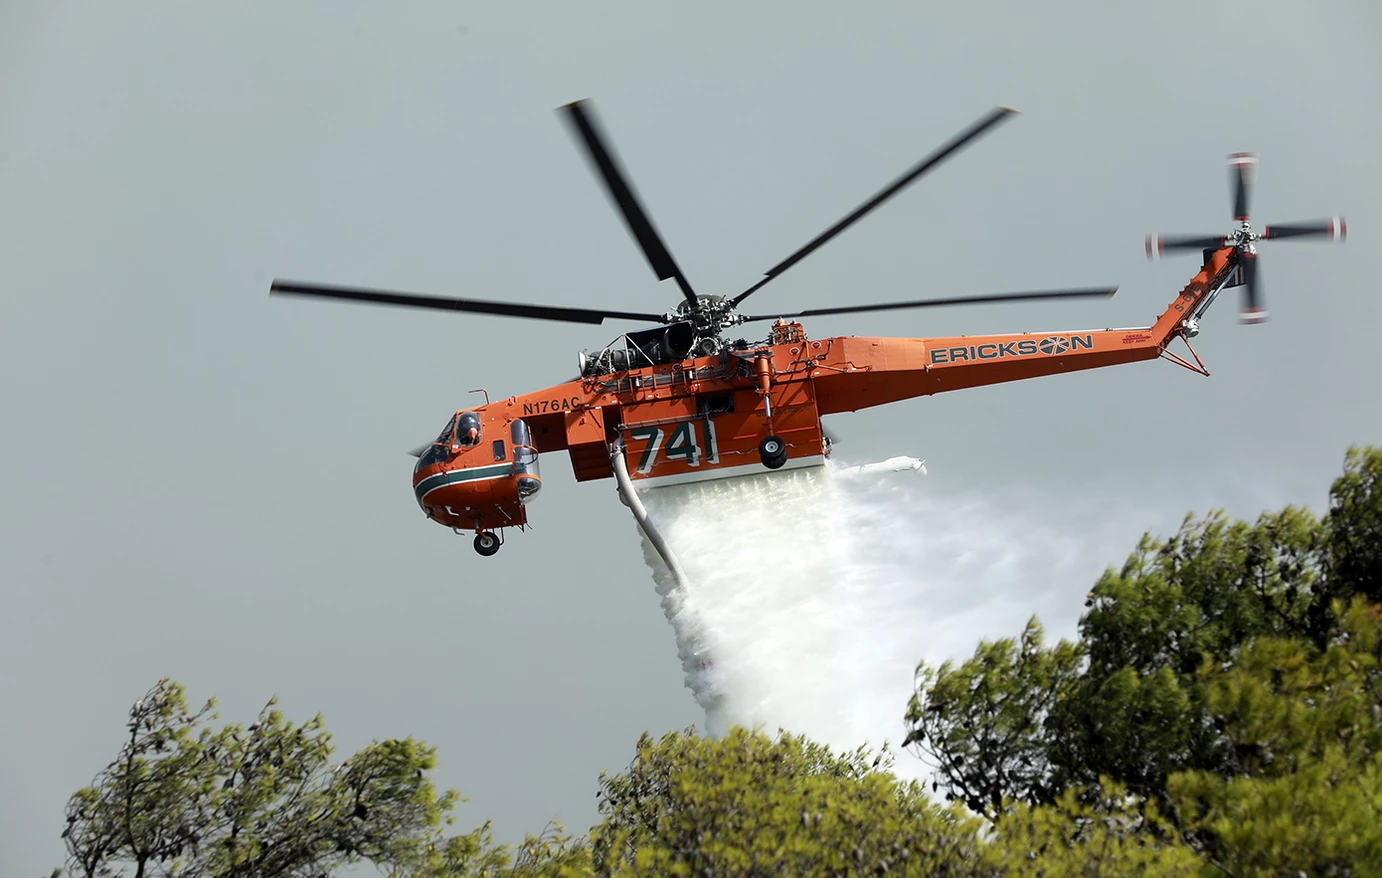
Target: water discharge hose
[
  {"x": 640, "y": 514},
  {"x": 677, "y": 603}
]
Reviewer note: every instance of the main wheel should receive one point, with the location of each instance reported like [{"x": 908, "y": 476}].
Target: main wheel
[
  {"x": 486, "y": 543},
  {"x": 773, "y": 452}
]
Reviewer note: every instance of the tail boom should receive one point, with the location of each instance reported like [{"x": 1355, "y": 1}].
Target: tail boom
[{"x": 876, "y": 371}]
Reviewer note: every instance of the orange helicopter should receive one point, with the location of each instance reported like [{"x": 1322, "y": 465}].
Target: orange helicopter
[{"x": 690, "y": 404}]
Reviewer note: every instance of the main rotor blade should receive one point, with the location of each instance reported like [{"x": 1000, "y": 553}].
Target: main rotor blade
[
  {"x": 476, "y": 306},
  {"x": 959, "y": 300},
  {"x": 964, "y": 137},
  {"x": 1333, "y": 228},
  {"x": 622, "y": 194},
  {"x": 1159, "y": 244},
  {"x": 1242, "y": 166}
]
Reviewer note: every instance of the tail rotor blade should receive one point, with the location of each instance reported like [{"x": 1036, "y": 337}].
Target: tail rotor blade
[
  {"x": 1333, "y": 228},
  {"x": 1242, "y": 169},
  {"x": 1159, "y": 245},
  {"x": 1254, "y": 307}
]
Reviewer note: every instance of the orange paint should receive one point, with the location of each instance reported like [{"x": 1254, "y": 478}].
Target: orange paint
[{"x": 704, "y": 417}]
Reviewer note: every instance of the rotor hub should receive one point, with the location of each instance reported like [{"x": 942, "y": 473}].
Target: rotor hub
[
  {"x": 1243, "y": 238},
  {"x": 710, "y": 315}
]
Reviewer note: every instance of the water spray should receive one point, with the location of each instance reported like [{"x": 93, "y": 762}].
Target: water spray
[
  {"x": 804, "y": 599},
  {"x": 763, "y": 549}
]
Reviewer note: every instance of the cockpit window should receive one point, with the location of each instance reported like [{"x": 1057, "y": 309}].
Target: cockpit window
[
  {"x": 434, "y": 454},
  {"x": 467, "y": 429},
  {"x": 445, "y": 437},
  {"x": 440, "y": 449}
]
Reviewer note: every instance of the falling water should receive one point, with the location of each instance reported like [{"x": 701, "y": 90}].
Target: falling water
[{"x": 812, "y": 595}]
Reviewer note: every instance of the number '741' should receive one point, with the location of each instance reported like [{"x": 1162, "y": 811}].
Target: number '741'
[{"x": 682, "y": 445}]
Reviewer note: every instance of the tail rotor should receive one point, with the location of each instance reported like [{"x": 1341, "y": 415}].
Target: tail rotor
[{"x": 1242, "y": 171}]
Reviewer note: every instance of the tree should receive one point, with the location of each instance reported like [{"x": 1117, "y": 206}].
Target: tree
[
  {"x": 750, "y": 805},
  {"x": 1353, "y": 539},
  {"x": 746, "y": 804},
  {"x": 261, "y": 801},
  {"x": 550, "y": 854},
  {"x": 1308, "y": 723},
  {"x": 1108, "y": 833},
  {"x": 983, "y": 724},
  {"x": 1216, "y": 678},
  {"x": 264, "y": 801},
  {"x": 1127, "y": 700}
]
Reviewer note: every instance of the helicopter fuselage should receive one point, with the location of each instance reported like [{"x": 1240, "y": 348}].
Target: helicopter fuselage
[{"x": 708, "y": 417}]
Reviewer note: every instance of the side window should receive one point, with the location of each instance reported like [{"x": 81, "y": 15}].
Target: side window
[
  {"x": 498, "y": 449},
  {"x": 467, "y": 429}
]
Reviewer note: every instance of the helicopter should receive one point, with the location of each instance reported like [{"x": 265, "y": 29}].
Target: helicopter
[{"x": 687, "y": 402}]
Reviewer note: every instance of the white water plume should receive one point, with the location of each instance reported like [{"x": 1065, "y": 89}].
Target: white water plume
[{"x": 811, "y": 597}]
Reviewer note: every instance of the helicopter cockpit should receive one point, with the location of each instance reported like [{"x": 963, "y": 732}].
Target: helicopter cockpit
[{"x": 462, "y": 431}]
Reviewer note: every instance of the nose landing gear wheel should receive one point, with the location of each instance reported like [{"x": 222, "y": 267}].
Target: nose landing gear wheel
[
  {"x": 486, "y": 543},
  {"x": 773, "y": 452}
]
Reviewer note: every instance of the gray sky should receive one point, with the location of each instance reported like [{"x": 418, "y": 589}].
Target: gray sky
[{"x": 206, "y": 483}]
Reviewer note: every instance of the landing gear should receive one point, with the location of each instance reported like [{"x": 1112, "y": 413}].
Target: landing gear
[
  {"x": 773, "y": 452},
  {"x": 486, "y": 543}
]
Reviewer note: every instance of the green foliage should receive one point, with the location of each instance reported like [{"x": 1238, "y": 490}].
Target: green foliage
[
  {"x": 1137, "y": 713},
  {"x": 1353, "y": 535},
  {"x": 983, "y": 723},
  {"x": 1113, "y": 834},
  {"x": 1306, "y": 723},
  {"x": 261, "y": 801},
  {"x": 748, "y": 805},
  {"x": 1218, "y": 678},
  {"x": 550, "y": 854},
  {"x": 1128, "y": 700}
]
